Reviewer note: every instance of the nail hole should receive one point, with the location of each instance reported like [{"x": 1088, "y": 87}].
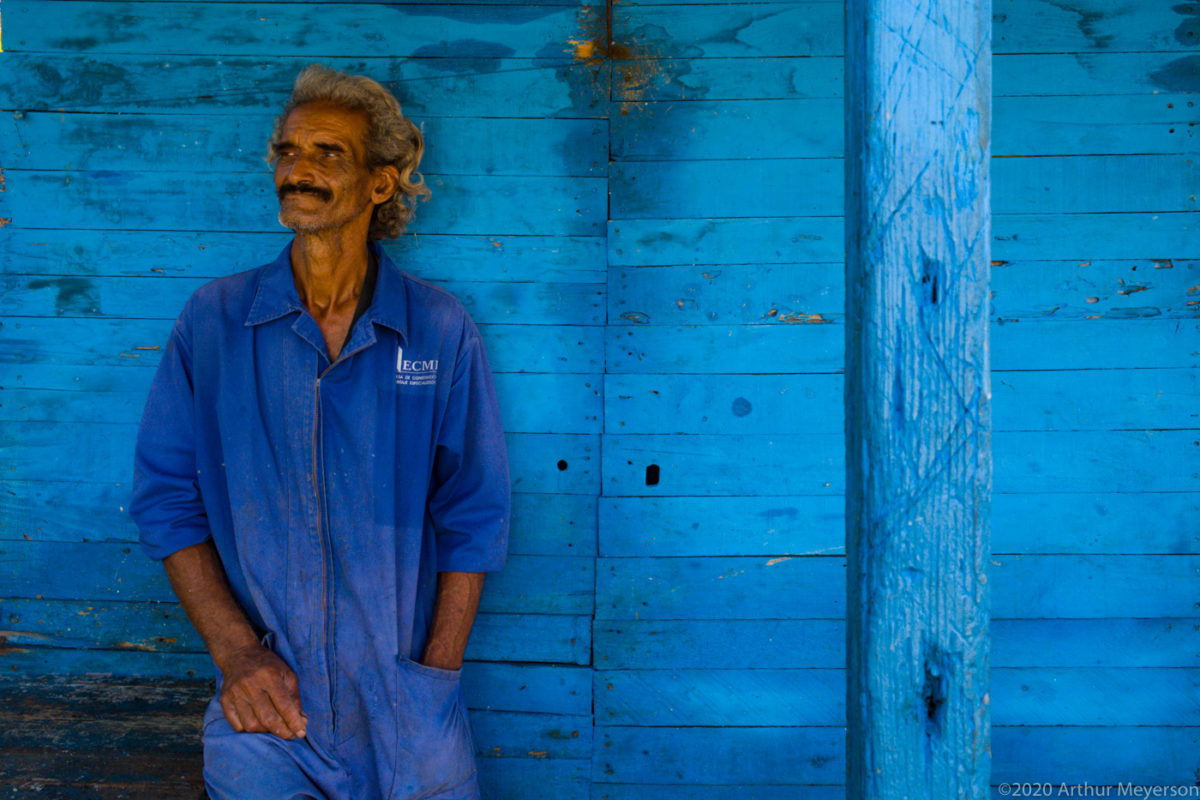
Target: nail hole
[
  {"x": 652, "y": 475},
  {"x": 562, "y": 465}
]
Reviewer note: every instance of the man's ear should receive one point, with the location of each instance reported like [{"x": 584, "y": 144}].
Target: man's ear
[{"x": 386, "y": 183}]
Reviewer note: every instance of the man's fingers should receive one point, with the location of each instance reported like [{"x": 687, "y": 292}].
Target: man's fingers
[
  {"x": 288, "y": 709},
  {"x": 231, "y": 713},
  {"x": 269, "y": 718}
]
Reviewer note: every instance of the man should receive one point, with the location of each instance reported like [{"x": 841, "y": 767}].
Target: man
[{"x": 321, "y": 468}]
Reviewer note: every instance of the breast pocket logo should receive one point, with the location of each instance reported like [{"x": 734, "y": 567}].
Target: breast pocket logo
[{"x": 415, "y": 372}]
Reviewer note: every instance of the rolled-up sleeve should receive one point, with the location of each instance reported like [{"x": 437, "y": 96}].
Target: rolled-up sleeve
[
  {"x": 166, "y": 503},
  {"x": 469, "y": 504}
]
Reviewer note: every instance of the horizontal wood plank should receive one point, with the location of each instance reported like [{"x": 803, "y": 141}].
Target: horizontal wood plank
[
  {"x": 1052, "y": 184},
  {"x": 231, "y": 86},
  {"x": 790, "y": 240},
  {"x": 1067, "y": 77},
  {"x": 43, "y": 140},
  {"x": 98, "y": 342},
  {"x": 775, "y": 763},
  {"x": 544, "y": 303},
  {"x": 755, "y": 126},
  {"x": 821, "y": 643},
  {"x": 163, "y": 627},
  {"x": 88, "y": 253},
  {"x": 557, "y": 524},
  {"x": 787, "y": 404},
  {"x": 1047, "y": 523},
  {"x": 731, "y": 294},
  {"x": 814, "y": 28},
  {"x": 812, "y": 463},
  {"x": 115, "y": 571},
  {"x": 565, "y": 403},
  {"x": 814, "y": 697},
  {"x": 811, "y": 587},
  {"x": 33, "y": 451},
  {"x": 347, "y": 29},
  {"x": 817, "y": 347},
  {"x": 460, "y": 204}
]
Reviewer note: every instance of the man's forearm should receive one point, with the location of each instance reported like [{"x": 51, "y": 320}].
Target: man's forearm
[
  {"x": 199, "y": 581},
  {"x": 453, "y": 614},
  {"x": 260, "y": 693}
]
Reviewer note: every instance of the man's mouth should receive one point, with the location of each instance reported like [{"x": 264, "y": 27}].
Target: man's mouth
[{"x": 315, "y": 191}]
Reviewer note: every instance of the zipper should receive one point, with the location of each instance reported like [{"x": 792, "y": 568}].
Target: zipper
[{"x": 318, "y": 488}]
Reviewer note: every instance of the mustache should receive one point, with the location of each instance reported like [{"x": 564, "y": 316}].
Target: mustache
[{"x": 296, "y": 188}]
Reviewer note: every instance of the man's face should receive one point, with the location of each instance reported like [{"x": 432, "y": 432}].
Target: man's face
[{"x": 321, "y": 174}]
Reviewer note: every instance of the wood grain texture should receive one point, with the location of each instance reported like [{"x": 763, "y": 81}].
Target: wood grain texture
[
  {"x": 821, "y": 643},
  {"x": 343, "y": 29},
  {"x": 89, "y": 253},
  {"x": 813, "y": 587},
  {"x": 558, "y": 524},
  {"x": 1046, "y": 523},
  {"x": 120, "y": 200},
  {"x": 817, "y": 697},
  {"x": 1065, "y": 76},
  {"x": 758, "y": 762},
  {"x": 117, "y": 571},
  {"x": 136, "y": 343},
  {"x": 426, "y": 87}
]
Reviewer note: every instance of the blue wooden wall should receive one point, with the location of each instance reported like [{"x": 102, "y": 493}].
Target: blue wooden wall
[{"x": 649, "y": 237}]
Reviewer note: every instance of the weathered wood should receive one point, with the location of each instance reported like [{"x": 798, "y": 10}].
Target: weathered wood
[
  {"x": 118, "y": 571},
  {"x": 814, "y": 28},
  {"x": 87, "y": 253},
  {"x": 465, "y": 204},
  {"x": 745, "y": 762},
  {"x": 286, "y": 29},
  {"x": 787, "y": 464},
  {"x": 163, "y": 627},
  {"x": 790, "y": 240},
  {"x": 539, "y": 462},
  {"x": 766, "y": 187},
  {"x": 565, "y": 403},
  {"x": 811, "y": 346},
  {"x": 811, "y": 587},
  {"x": 728, "y": 294},
  {"x": 1024, "y": 401},
  {"x": 778, "y": 697},
  {"x": 102, "y": 342},
  {"x": 542, "y": 303},
  {"x": 1067, "y": 75},
  {"x": 791, "y": 644},
  {"x": 426, "y": 87},
  {"x": 1036, "y": 523},
  {"x": 542, "y": 524},
  {"x": 758, "y": 129},
  {"x": 170, "y": 142}
]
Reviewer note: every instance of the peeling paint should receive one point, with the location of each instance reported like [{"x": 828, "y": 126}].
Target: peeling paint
[{"x": 779, "y": 560}]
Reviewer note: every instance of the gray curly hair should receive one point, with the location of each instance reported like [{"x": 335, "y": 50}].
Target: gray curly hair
[{"x": 391, "y": 138}]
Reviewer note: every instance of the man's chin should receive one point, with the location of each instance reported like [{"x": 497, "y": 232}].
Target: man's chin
[{"x": 302, "y": 223}]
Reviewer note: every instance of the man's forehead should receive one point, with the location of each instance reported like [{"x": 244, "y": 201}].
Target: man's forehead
[{"x": 327, "y": 119}]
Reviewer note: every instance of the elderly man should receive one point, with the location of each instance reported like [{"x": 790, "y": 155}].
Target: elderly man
[{"x": 321, "y": 468}]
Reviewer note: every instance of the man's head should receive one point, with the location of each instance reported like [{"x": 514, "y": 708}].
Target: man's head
[{"x": 341, "y": 150}]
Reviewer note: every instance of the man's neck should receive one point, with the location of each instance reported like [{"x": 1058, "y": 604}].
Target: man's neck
[{"x": 328, "y": 270}]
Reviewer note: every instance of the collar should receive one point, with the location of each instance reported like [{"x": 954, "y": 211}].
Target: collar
[{"x": 276, "y": 294}]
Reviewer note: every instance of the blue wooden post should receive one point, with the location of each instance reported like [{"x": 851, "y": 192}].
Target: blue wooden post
[{"x": 918, "y": 420}]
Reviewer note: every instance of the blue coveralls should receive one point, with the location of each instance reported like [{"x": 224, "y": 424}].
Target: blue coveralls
[{"x": 334, "y": 493}]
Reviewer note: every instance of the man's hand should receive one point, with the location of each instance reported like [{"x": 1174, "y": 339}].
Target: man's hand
[{"x": 261, "y": 694}]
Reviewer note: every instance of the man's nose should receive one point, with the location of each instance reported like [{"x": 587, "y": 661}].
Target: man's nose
[{"x": 299, "y": 171}]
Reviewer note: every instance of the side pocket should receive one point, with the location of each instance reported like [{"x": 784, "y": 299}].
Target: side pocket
[{"x": 434, "y": 751}]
